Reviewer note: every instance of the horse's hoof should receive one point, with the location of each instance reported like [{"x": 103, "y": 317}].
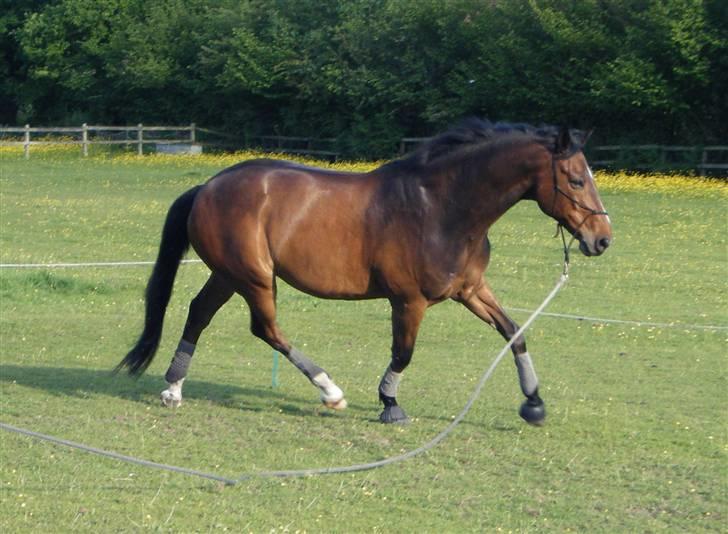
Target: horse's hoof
[
  {"x": 533, "y": 414},
  {"x": 340, "y": 404},
  {"x": 393, "y": 414},
  {"x": 170, "y": 400}
]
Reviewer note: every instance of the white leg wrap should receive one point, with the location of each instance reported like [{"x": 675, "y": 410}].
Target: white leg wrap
[
  {"x": 172, "y": 396},
  {"x": 526, "y": 374},
  {"x": 331, "y": 394},
  {"x": 390, "y": 383}
]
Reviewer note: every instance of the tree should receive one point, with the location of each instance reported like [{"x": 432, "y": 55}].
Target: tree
[{"x": 371, "y": 71}]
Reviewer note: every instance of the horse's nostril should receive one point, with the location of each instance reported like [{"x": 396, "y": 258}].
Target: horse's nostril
[{"x": 602, "y": 244}]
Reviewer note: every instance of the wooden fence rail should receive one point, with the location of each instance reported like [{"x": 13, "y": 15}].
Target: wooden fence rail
[
  {"x": 87, "y": 135},
  {"x": 84, "y": 139},
  {"x": 639, "y": 157},
  {"x": 322, "y": 147},
  {"x": 704, "y": 159}
]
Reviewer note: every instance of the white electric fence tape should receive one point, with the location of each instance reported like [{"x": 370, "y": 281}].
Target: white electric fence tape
[{"x": 524, "y": 310}]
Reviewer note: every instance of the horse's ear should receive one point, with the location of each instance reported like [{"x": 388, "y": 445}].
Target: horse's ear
[
  {"x": 579, "y": 139},
  {"x": 587, "y": 135},
  {"x": 568, "y": 142},
  {"x": 563, "y": 141}
]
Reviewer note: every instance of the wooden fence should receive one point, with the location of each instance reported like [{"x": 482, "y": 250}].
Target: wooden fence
[
  {"x": 307, "y": 146},
  {"x": 704, "y": 159},
  {"x": 87, "y": 135},
  {"x": 186, "y": 138}
]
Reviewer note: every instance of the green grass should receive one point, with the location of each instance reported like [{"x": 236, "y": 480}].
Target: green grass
[{"x": 635, "y": 441}]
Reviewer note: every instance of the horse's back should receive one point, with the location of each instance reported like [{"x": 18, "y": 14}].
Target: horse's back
[{"x": 304, "y": 224}]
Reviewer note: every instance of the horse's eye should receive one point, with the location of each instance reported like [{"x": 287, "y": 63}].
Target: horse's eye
[{"x": 576, "y": 183}]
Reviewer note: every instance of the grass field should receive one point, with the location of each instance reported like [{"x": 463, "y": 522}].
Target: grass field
[{"x": 636, "y": 438}]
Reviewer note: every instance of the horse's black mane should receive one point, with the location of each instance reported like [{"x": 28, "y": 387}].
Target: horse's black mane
[
  {"x": 475, "y": 131},
  {"x": 399, "y": 191}
]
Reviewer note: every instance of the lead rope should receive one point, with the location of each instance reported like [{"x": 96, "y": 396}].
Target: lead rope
[
  {"x": 324, "y": 470},
  {"x": 567, "y": 248}
]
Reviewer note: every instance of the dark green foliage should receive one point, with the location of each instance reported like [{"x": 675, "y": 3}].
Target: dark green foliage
[{"x": 368, "y": 71}]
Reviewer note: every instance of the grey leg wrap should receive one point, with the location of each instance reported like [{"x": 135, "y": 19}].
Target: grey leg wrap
[
  {"x": 390, "y": 383},
  {"x": 181, "y": 362},
  {"x": 306, "y": 366},
  {"x": 526, "y": 374}
]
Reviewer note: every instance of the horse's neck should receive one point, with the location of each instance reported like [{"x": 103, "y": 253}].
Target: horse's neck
[{"x": 473, "y": 199}]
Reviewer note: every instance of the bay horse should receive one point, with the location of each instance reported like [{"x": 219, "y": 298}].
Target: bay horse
[{"x": 413, "y": 231}]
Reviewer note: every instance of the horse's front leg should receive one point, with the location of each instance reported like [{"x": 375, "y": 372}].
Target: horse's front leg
[
  {"x": 484, "y": 304},
  {"x": 406, "y": 319}
]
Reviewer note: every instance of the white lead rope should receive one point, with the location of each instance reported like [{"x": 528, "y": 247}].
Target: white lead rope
[
  {"x": 445, "y": 432},
  {"x": 317, "y": 470},
  {"x": 115, "y": 455}
]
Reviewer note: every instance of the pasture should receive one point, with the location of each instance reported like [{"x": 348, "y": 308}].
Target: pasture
[{"x": 636, "y": 437}]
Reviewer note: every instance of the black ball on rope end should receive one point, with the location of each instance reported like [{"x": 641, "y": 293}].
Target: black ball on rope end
[{"x": 533, "y": 411}]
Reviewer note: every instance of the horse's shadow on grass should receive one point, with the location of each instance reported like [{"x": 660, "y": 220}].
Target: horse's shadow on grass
[{"x": 81, "y": 383}]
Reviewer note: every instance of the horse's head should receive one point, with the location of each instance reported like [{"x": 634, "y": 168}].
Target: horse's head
[{"x": 566, "y": 191}]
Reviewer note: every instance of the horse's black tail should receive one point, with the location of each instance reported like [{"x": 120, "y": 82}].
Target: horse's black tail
[{"x": 172, "y": 248}]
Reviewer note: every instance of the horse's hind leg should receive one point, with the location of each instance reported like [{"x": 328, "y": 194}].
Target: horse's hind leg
[
  {"x": 203, "y": 307},
  {"x": 484, "y": 304},
  {"x": 261, "y": 300}
]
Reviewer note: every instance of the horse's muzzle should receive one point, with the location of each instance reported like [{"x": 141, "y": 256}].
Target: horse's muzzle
[{"x": 595, "y": 247}]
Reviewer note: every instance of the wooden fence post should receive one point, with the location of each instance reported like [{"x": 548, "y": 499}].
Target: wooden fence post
[
  {"x": 26, "y": 141},
  {"x": 84, "y": 139},
  {"x": 192, "y": 133},
  {"x": 140, "y": 139}
]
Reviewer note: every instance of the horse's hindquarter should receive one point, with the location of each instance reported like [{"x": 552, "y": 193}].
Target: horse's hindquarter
[{"x": 304, "y": 225}]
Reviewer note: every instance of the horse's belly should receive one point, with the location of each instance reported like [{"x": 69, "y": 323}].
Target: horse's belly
[
  {"x": 333, "y": 291},
  {"x": 327, "y": 275}
]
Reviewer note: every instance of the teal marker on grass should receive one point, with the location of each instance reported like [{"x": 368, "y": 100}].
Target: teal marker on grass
[{"x": 274, "y": 371}]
